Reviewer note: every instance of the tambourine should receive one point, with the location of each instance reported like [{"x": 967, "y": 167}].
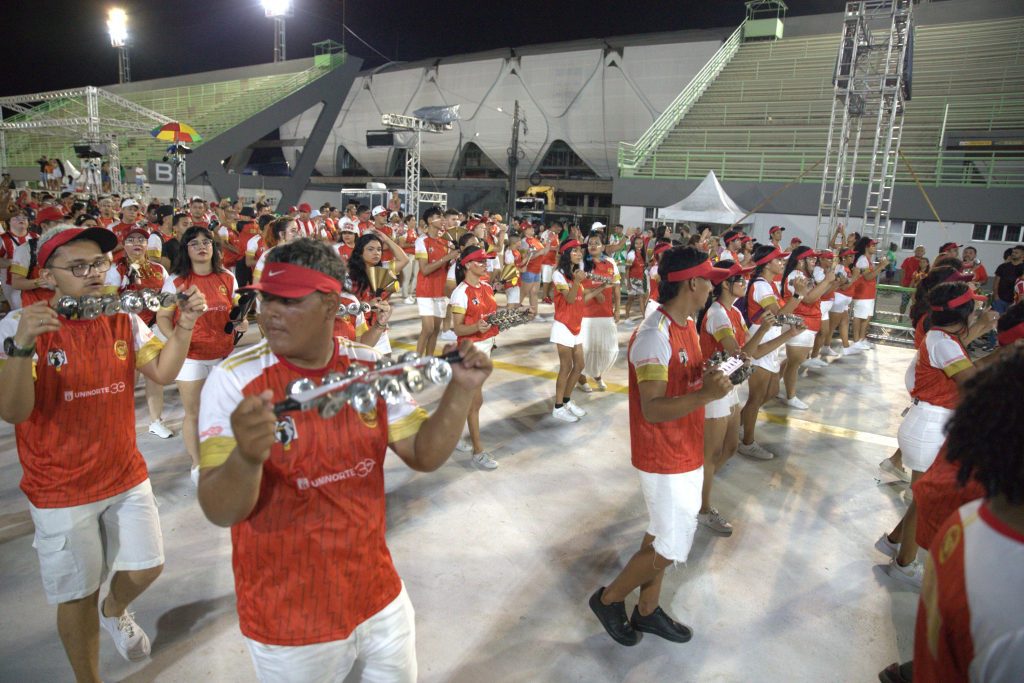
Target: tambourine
[
  {"x": 783, "y": 319},
  {"x": 360, "y": 387},
  {"x": 603, "y": 279},
  {"x": 735, "y": 367},
  {"x": 509, "y": 317},
  {"x": 357, "y": 308},
  {"x": 133, "y": 301}
]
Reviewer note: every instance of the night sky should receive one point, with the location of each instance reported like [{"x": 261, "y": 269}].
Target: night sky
[{"x": 173, "y": 37}]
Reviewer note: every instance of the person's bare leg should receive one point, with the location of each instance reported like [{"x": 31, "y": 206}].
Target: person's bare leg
[
  {"x": 564, "y": 370},
  {"x": 125, "y": 587},
  {"x": 732, "y": 438},
  {"x": 795, "y": 356},
  {"x": 650, "y": 591},
  {"x": 473, "y": 420},
  {"x": 434, "y": 334},
  {"x": 642, "y": 569},
  {"x": 577, "y": 369},
  {"x": 714, "y": 436},
  {"x": 759, "y": 385},
  {"x": 154, "y": 400},
  {"x": 190, "y": 392},
  {"x": 907, "y": 538},
  {"x": 426, "y": 330},
  {"x": 78, "y": 624}
]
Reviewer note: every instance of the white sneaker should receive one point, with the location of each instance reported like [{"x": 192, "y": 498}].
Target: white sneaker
[
  {"x": 601, "y": 386},
  {"x": 564, "y": 414},
  {"x": 131, "y": 642},
  {"x": 194, "y": 475},
  {"x": 464, "y": 446},
  {"x": 714, "y": 521},
  {"x": 484, "y": 460},
  {"x": 889, "y": 467},
  {"x": 575, "y": 409},
  {"x": 815, "y": 363},
  {"x": 910, "y": 575},
  {"x": 408, "y": 300},
  {"x": 864, "y": 345},
  {"x": 795, "y": 403},
  {"x": 852, "y": 350},
  {"x": 158, "y": 428},
  {"x": 754, "y": 450},
  {"x": 782, "y": 395},
  {"x": 585, "y": 388},
  {"x": 447, "y": 336},
  {"x": 887, "y": 547},
  {"x": 827, "y": 351}
]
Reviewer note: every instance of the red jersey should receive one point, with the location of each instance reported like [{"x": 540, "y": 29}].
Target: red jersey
[
  {"x": 78, "y": 445},
  {"x": 344, "y": 251},
  {"x": 666, "y": 351},
  {"x": 152, "y": 277},
  {"x": 430, "y": 250},
  {"x": 810, "y": 312},
  {"x": 976, "y": 269},
  {"x": 970, "y": 618},
  {"x": 386, "y": 255},
  {"x": 596, "y": 307},
  {"x": 121, "y": 229},
  {"x": 939, "y": 358},
  {"x": 635, "y": 259},
  {"x": 8, "y": 243},
  {"x": 106, "y": 222},
  {"x": 938, "y": 494},
  {"x": 209, "y": 341},
  {"x": 864, "y": 288},
  {"x": 20, "y": 266},
  {"x": 410, "y": 241},
  {"x": 349, "y": 326},
  {"x": 761, "y": 294},
  {"x": 476, "y": 303},
  {"x": 310, "y": 562},
  {"x": 720, "y": 323},
  {"x": 534, "y": 245},
  {"x": 569, "y": 313},
  {"x": 552, "y": 240},
  {"x": 909, "y": 268}
]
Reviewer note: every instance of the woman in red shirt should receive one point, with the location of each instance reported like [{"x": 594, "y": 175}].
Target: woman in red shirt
[
  {"x": 798, "y": 349},
  {"x": 348, "y": 234},
  {"x": 534, "y": 263},
  {"x": 635, "y": 271},
  {"x": 366, "y": 254},
  {"x": 865, "y": 273},
  {"x": 407, "y": 236},
  {"x": 434, "y": 255},
  {"x": 600, "y": 314},
  {"x": 198, "y": 263}
]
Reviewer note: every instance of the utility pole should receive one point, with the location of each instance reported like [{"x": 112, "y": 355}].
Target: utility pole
[{"x": 514, "y": 156}]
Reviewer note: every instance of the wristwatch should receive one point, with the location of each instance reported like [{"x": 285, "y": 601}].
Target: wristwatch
[{"x": 12, "y": 350}]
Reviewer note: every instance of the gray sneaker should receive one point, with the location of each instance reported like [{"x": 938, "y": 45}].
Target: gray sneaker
[
  {"x": 754, "y": 450},
  {"x": 714, "y": 521},
  {"x": 484, "y": 460}
]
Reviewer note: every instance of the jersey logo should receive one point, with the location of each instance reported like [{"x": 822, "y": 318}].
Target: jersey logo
[
  {"x": 224, "y": 290},
  {"x": 121, "y": 349},
  {"x": 683, "y": 358},
  {"x": 369, "y": 418},
  {"x": 949, "y": 542},
  {"x": 284, "y": 431},
  {"x": 56, "y": 359}
]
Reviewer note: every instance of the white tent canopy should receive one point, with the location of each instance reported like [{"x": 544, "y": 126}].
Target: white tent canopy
[{"x": 707, "y": 204}]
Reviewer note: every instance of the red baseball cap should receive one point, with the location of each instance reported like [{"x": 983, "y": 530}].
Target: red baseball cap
[
  {"x": 49, "y": 213},
  {"x": 776, "y": 228},
  {"x": 290, "y": 281},
  {"x": 949, "y": 245},
  {"x": 305, "y": 208},
  {"x": 106, "y": 240},
  {"x": 137, "y": 230}
]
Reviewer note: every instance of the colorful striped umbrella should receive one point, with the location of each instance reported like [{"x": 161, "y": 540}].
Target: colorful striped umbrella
[{"x": 176, "y": 132}]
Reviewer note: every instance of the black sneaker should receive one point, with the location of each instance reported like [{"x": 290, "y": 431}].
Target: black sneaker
[
  {"x": 613, "y": 618},
  {"x": 661, "y": 625}
]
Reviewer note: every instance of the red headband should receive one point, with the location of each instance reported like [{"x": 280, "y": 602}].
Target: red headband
[
  {"x": 826, "y": 254},
  {"x": 847, "y": 252},
  {"x": 1007, "y": 337},
  {"x": 477, "y": 255},
  {"x": 705, "y": 270},
  {"x": 810, "y": 253},
  {"x": 737, "y": 236},
  {"x": 290, "y": 281},
  {"x": 775, "y": 253},
  {"x": 956, "y": 302},
  {"x": 571, "y": 244},
  {"x": 661, "y": 249}
]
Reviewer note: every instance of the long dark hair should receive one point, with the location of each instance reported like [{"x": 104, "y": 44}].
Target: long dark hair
[
  {"x": 357, "y": 265},
  {"x": 639, "y": 252},
  {"x": 861, "y": 248},
  {"x": 588, "y": 260},
  {"x": 936, "y": 276},
  {"x": 460, "y": 270},
  {"x": 183, "y": 262},
  {"x": 565, "y": 265},
  {"x": 794, "y": 262},
  {"x": 959, "y": 316},
  {"x": 715, "y": 293},
  {"x": 760, "y": 251}
]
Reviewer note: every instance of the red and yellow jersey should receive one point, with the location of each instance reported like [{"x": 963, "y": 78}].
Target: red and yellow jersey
[
  {"x": 720, "y": 323},
  {"x": 121, "y": 229},
  {"x": 430, "y": 250},
  {"x": 310, "y": 562},
  {"x": 761, "y": 294},
  {"x": 475, "y": 303},
  {"x": 20, "y": 266},
  {"x": 635, "y": 262},
  {"x": 653, "y": 279},
  {"x": 864, "y": 288},
  {"x": 410, "y": 241},
  {"x": 78, "y": 445},
  {"x": 939, "y": 359},
  {"x": 209, "y": 341},
  {"x": 386, "y": 254},
  {"x": 598, "y": 307},
  {"x": 569, "y": 313},
  {"x": 535, "y": 264},
  {"x": 666, "y": 351},
  {"x": 970, "y": 617},
  {"x": 229, "y": 237},
  {"x": 551, "y": 239},
  {"x": 810, "y": 312},
  {"x": 149, "y": 276},
  {"x": 348, "y": 325},
  {"x": 9, "y": 243}
]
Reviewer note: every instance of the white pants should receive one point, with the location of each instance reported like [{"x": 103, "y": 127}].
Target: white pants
[
  {"x": 921, "y": 434},
  {"x": 385, "y": 644},
  {"x": 600, "y": 345}
]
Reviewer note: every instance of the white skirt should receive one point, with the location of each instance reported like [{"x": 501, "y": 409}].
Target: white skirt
[
  {"x": 600, "y": 345},
  {"x": 921, "y": 434}
]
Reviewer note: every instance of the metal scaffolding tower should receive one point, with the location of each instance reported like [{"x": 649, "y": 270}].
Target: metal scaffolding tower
[
  {"x": 412, "y": 157},
  {"x": 870, "y": 87}
]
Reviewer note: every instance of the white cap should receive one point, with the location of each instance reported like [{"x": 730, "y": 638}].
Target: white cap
[
  {"x": 348, "y": 225},
  {"x": 377, "y": 210},
  {"x": 314, "y": 213},
  {"x": 129, "y": 202},
  {"x": 598, "y": 225}
]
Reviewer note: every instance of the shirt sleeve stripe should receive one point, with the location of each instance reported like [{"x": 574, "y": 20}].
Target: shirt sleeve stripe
[
  {"x": 407, "y": 426},
  {"x": 214, "y": 451},
  {"x": 652, "y": 373},
  {"x": 148, "y": 352},
  {"x": 957, "y": 366},
  {"x": 721, "y": 334}
]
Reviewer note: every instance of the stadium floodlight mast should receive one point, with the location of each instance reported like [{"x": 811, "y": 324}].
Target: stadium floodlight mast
[
  {"x": 117, "y": 25},
  {"x": 278, "y": 10}
]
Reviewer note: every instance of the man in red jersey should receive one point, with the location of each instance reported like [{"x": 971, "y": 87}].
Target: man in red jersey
[
  {"x": 304, "y": 495},
  {"x": 68, "y": 389},
  {"x": 667, "y": 393}
]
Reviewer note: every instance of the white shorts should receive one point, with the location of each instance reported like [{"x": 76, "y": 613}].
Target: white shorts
[
  {"x": 196, "y": 370},
  {"x": 560, "y": 334},
  {"x": 722, "y": 407},
  {"x": 863, "y": 309},
  {"x": 383, "y": 344},
  {"x": 921, "y": 435},
  {"x": 385, "y": 644},
  {"x": 673, "y": 501},
  {"x": 826, "y": 308},
  {"x": 512, "y": 296},
  {"x": 771, "y": 361},
  {"x": 79, "y": 546},
  {"x": 485, "y": 345},
  {"x": 546, "y": 272},
  {"x": 804, "y": 340},
  {"x": 840, "y": 304},
  {"x": 435, "y": 306}
]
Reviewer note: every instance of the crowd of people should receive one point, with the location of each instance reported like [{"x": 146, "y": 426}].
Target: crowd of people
[{"x": 303, "y": 492}]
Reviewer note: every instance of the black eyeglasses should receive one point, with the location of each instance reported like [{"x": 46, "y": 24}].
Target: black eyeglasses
[{"x": 98, "y": 266}]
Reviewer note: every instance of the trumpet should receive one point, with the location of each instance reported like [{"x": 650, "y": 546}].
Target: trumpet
[
  {"x": 735, "y": 367},
  {"x": 89, "y": 307},
  {"x": 509, "y": 317},
  {"x": 357, "y": 308},
  {"x": 603, "y": 279},
  {"x": 360, "y": 387}
]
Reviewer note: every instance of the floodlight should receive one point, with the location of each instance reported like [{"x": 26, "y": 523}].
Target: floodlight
[
  {"x": 117, "y": 25},
  {"x": 277, "y": 8}
]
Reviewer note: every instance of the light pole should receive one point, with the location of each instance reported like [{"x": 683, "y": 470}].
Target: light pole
[
  {"x": 278, "y": 10},
  {"x": 117, "y": 25}
]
